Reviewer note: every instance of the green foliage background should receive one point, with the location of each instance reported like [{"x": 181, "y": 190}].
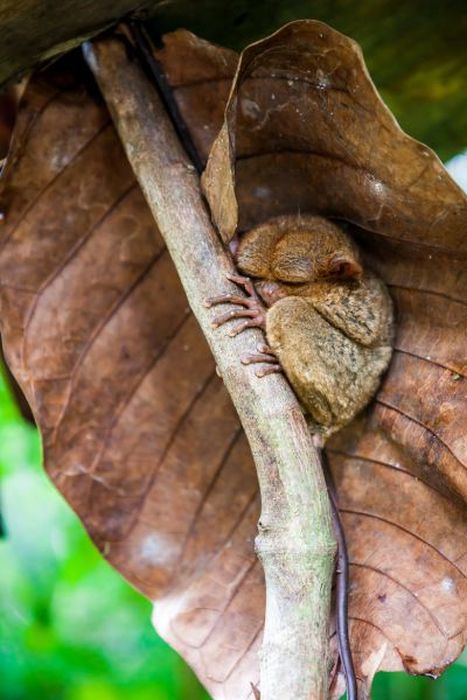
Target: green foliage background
[{"x": 70, "y": 627}]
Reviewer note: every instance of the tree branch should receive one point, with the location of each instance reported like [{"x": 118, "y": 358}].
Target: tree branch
[{"x": 295, "y": 541}]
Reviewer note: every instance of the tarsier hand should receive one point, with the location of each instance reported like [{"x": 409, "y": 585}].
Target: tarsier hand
[
  {"x": 328, "y": 321},
  {"x": 254, "y": 311}
]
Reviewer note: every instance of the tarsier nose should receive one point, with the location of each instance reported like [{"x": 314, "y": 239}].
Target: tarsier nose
[
  {"x": 233, "y": 246},
  {"x": 269, "y": 291}
]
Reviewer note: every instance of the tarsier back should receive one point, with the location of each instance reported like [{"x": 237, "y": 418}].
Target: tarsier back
[{"x": 329, "y": 321}]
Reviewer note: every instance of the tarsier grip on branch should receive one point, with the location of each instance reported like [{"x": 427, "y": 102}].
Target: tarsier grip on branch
[
  {"x": 328, "y": 321},
  {"x": 329, "y": 326}
]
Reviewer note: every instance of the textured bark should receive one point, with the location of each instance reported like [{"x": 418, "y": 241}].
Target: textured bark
[{"x": 295, "y": 541}]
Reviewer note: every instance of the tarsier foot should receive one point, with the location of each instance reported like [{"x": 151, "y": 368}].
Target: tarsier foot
[
  {"x": 252, "y": 308},
  {"x": 265, "y": 354}
]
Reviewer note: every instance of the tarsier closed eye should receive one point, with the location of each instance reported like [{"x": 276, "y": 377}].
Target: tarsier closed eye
[
  {"x": 294, "y": 269},
  {"x": 293, "y": 260}
]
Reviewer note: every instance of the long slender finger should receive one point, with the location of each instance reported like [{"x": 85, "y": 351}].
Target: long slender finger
[
  {"x": 230, "y": 315},
  {"x": 238, "y": 279},
  {"x": 263, "y": 348},
  {"x": 251, "y": 359},
  {"x": 244, "y": 282},
  {"x": 251, "y": 323},
  {"x": 272, "y": 369},
  {"x": 226, "y": 299}
]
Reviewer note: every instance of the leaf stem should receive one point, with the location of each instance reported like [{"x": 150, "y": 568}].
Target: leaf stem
[{"x": 342, "y": 587}]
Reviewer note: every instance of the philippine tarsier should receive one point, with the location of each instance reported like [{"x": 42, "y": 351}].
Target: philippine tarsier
[
  {"x": 328, "y": 322},
  {"x": 329, "y": 326}
]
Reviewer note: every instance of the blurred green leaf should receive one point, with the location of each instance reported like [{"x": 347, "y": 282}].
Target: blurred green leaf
[{"x": 70, "y": 627}]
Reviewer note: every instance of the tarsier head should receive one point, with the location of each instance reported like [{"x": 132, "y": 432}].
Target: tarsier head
[{"x": 297, "y": 251}]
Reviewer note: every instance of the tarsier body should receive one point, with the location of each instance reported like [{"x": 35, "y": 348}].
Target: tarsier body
[{"x": 328, "y": 321}]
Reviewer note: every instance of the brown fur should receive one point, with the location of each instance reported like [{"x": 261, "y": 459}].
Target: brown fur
[{"x": 329, "y": 322}]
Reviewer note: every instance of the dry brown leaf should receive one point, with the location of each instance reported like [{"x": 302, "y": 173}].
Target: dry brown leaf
[
  {"x": 142, "y": 440},
  {"x": 139, "y": 433},
  {"x": 305, "y": 130},
  {"x": 303, "y": 111}
]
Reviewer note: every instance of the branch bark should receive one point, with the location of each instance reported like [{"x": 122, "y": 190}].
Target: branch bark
[{"x": 295, "y": 542}]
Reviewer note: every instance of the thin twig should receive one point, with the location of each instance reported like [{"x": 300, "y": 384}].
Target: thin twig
[
  {"x": 296, "y": 543},
  {"x": 342, "y": 586}
]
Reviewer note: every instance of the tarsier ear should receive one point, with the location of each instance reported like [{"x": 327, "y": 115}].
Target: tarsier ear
[{"x": 343, "y": 266}]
